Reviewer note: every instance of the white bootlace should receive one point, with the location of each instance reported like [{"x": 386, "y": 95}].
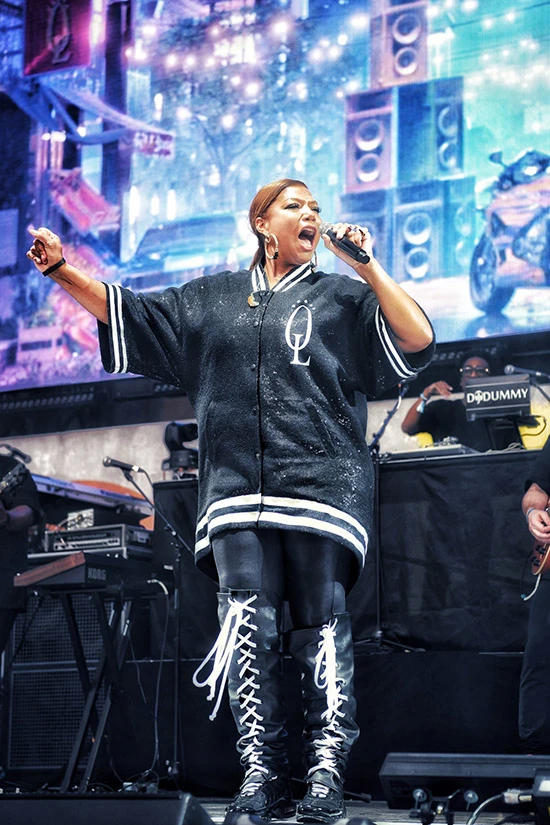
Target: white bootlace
[
  {"x": 236, "y": 633},
  {"x": 253, "y": 781},
  {"x": 325, "y": 671},
  {"x": 230, "y": 638},
  {"x": 319, "y": 790},
  {"x": 326, "y": 679}
]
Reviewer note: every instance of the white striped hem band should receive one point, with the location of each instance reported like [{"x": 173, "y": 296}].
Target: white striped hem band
[{"x": 287, "y": 513}]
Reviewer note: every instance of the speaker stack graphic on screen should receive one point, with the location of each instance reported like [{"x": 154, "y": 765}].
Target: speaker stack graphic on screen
[{"x": 404, "y": 153}]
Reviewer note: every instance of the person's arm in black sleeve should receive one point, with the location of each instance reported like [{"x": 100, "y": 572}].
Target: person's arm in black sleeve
[
  {"x": 157, "y": 334},
  {"x": 395, "y": 339},
  {"x": 410, "y": 327},
  {"x": 381, "y": 362},
  {"x": 144, "y": 335}
]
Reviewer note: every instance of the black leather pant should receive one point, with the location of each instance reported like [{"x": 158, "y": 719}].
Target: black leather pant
[
  {"x": 260, "y": 569},
  {"x": 311, "y": 572}
]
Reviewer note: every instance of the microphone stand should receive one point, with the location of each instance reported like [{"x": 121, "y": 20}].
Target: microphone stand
[
  {"x": 377, "y": 639},
  {"x": 178, "y": 543}
]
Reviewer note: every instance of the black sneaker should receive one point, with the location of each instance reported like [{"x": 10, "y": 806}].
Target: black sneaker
[
  {"x": 266, "y": 796},
  {"x": 321, "y": 804}
]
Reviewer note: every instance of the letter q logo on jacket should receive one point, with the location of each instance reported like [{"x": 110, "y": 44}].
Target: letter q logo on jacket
[{"x": 298, "y": 333}]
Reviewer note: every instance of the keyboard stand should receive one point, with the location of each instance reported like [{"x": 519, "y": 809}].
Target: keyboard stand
[
  {"x": 104, "y": 579},
  {"x": 115, "y": 633}
]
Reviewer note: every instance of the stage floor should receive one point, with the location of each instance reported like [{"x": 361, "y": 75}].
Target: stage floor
[
  {"x": 377, "y": 812},
  {"x": 175, "y": 808}
]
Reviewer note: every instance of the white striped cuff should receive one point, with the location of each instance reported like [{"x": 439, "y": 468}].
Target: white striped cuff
[{"x": 116, "y": 329}]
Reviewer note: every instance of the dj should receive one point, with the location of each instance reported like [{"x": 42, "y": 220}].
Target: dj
[{"x": 446, "y": 417}]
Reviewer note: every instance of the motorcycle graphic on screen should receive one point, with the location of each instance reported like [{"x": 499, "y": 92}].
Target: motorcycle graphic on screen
[{"x": 514, "y": 249}]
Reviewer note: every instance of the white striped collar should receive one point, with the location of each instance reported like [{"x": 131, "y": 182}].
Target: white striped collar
[{"x": 260, "y": 282}]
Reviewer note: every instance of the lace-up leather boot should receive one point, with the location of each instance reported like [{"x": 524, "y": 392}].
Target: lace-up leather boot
[
  {"x": 325, "y": 658},
  {"x": 247, "y": 655},
  {"x": 324, "y": 798},
  {"x": 265, "y": 795}
]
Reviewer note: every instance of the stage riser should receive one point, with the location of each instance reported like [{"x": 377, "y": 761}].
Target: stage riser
[
  {"x": 441, "y": 775},
  {"x": 122, "y": 810}
]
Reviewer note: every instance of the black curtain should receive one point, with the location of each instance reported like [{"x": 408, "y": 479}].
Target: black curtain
[{"x": 453, "y": 548}]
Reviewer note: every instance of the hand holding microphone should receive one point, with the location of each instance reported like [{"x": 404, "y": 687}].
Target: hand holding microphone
[{"x": 349, "y": 239}]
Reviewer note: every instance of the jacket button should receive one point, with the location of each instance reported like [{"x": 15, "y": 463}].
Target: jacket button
[
  {"x": 256, "y": 323},
  {"x": 253, "y": 366},
  {"x": 258, "y": 456},
  {"x": 254, "y": 410}
]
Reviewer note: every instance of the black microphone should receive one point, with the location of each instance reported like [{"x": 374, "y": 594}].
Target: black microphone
[
  {"x": 20, "y": 454},
  {"x": 345, "y": 244},
  {"x": 16, "y": 452},
  {"x": 121, "y": 465},
  {"x": 509, "y": 369}
]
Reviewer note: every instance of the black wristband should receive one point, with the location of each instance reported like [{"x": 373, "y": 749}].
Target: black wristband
[
  {"x": 51, "y": 269},
  {"x": 7, "y": 521}
]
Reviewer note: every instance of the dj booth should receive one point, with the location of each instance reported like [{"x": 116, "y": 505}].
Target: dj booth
[{"x": 453, "y": 546}]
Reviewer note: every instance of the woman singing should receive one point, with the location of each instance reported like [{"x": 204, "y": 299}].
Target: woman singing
[{"x": 278, "y": 361}]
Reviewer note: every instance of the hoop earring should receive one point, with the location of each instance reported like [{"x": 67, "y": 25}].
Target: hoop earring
[
  {"x": 314, "y": 261},
  {"x": 266, "y": 244}
]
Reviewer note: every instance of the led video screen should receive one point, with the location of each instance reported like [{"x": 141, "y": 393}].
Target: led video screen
[{"x": 426, "y": 122}]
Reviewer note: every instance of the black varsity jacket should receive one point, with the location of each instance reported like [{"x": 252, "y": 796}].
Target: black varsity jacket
[{"x": 279, "y": 380}]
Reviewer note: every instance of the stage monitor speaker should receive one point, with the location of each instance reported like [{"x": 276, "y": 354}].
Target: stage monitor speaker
[
  {"x": 417, "y": 232},
  {"x": 443, "y": 774},
  {"x": 123, "y": 809},
  {"x": 372, "y": 210},
  {"x": 399, "y": 43},
  {"x": 541, "y": 793}
]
